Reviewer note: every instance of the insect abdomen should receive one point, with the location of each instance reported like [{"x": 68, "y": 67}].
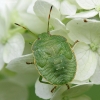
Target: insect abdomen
[{"x": 54, "y": 59}]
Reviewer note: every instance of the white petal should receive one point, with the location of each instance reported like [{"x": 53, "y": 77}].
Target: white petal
[
  {"x": 63, "y": 33},
  {"x": 43, "y": 90},
  {"x": 30, "y": 8},
  {"x": 42, "y": 9},
  {"x": 19, "y": 65},
  {"x": 1, "y": 56},
  {"x": 86, "y": 61},
  {"x": 77, "y": 90},
  {"x": 33, "y": 23},
  {"x": 2, "y": 28},
  {"x": 57, "y": 24},
  {"x": 5, "y": 13},
  {"x": 74, "y": 91},
  {"x": 85, "y": 14},
  {"x": 55, "y": 3},
  {"x": 96, "y": 2},
  {"x": 67, "y": 8},
  {"x": 74, "y": 3},
  {"x": 13, "y": 48},
  {"x": 82, "y": 97},
  {"x": 12, "y": 91},
  {"x": 26, "y": 73},
  {"x": 95, "y": 79},
  {"x": 86, "y": 4},
  {"x": 80, "y": 82},
  {"x": 87, "y": 32},
  {"x": 22, "y": 5},
  {"x": 58, "y": 94}
]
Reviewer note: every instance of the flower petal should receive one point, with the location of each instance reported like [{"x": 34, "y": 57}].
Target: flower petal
[
  {"x": 33, "y": 23},
  {"x": 58, "y": 93},
  {"x": 77, "y": 90},
  {"x": 67, "y": 8},
  {"x": 74, "y": 91},
  {"x": 96, "y": 2},
  {"x": 13, "y": 48},
  {"x": 85, "y": 14},
  {"x": 87, "y": 32},
  {"x": 95, "y": 79},
  {"x": 86, "y": 4},
  {"x": 22, "y": 5},
  {"x": 57, "y": 24},
  {"x": 1, "y": 56},
  {"x": 12, "y": 91},
  {"x": 79, "y": 82},
  {"x": 42, "y": 9},
  {"x": 26, "y": 73},
  {"x": 82, "y": 97},
  {"x": 19, "y": 65},
  {"x": 74, "y": 3},
  {"x": 2, "y": 28},
  {"x": 43, "y": 90},
  {"x": 63, "y": 33},
  {"x": 86, "y": 61}
]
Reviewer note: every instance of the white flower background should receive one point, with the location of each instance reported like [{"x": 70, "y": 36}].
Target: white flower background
[{"x": 72, "y": 19}]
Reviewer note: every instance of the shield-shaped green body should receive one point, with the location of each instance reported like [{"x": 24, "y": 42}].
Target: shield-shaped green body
[{"x": 54, "y": 59}]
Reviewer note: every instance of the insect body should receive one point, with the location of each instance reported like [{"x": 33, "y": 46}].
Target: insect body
[{"x": 54, "y": 59}]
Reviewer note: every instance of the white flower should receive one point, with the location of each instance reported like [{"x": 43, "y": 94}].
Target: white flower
[
  {"x": 26, "y": 73},
  {"x": 87, "y": 50},
  {"x": 74, "y": 93},
  {"x": 11, "y": 43},
  {"x": 92, "y": 7},
  {"x": 67, "y": 8}
]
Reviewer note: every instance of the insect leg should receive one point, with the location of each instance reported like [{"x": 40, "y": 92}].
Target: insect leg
[
  {"x": 40, "y": 79},
  {"x": 30, "y": 43},
  {"x": 53, "y": 89},
  {"x": 68, "y": 87},
  {"x": 75, "y": 43},
  {"x": 29, "y": 63}
]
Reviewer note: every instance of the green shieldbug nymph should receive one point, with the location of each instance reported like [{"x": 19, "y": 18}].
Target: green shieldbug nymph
[{"x": 54, "y": 59}]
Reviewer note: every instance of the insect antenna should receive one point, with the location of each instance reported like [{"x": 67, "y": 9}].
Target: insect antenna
[
  {"x": 25, "y": 28},
  {"x": 22, "y": 26},
  {"x": 49, "y": 19}
]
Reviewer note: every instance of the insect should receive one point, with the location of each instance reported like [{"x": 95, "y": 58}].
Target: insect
[{"x": 54, "y": 58}]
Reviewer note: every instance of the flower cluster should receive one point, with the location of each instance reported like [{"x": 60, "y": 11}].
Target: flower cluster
[{"x": 76, "y": 20}]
